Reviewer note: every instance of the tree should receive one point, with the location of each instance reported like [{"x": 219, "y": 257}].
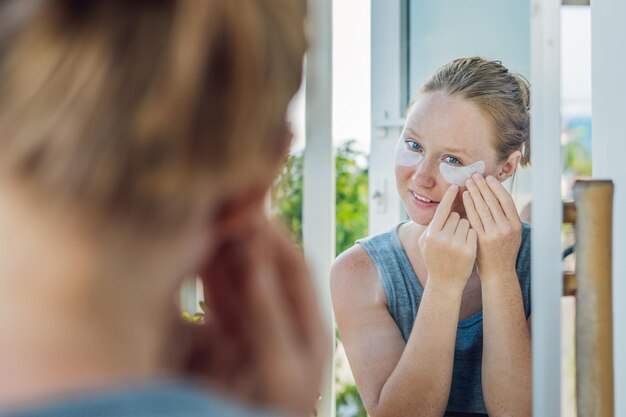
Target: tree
[
  {"x": 351, "y": 208},
  {"x": 351, "y": 195},
  {"x": 287, "y": 195}
]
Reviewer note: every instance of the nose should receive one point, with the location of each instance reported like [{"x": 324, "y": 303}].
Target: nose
[{"x": 425, "y": 174}]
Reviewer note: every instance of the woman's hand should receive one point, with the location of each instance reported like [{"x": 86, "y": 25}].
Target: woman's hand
[
  {"x": 263, "y": 340},
  {"x": 491, "y": 212},
  {"x": 448, "y": 245}
]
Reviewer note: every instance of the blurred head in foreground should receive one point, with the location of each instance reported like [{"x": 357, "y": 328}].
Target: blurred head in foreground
[{"x": 134, "y": 137}]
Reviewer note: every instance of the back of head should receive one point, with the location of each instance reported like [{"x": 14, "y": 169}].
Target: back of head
[
  {"x": 502, "y": 96},
  {"x": 136, "y": 111}
]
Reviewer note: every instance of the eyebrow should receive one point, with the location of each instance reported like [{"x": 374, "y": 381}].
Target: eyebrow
[{"x": 446, "y": 150}]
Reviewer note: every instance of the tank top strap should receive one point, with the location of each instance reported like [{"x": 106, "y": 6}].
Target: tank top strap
[{"x": 402, "y": 289}]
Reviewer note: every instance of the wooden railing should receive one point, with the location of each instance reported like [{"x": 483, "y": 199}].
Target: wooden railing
[{"x": 592, "y": 216}]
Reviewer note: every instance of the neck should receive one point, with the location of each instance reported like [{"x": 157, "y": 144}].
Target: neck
[
  {"x": 414, "y": 229},
  {"x": 49, "y": 349},
  {"x": 64, "y": 325}
]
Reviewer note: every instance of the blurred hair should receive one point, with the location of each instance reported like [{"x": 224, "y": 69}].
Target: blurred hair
[
  {"x": 134, "y": 110},
  {"x": 503, "y": 96}
]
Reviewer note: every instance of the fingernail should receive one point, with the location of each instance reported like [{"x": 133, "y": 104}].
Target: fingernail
[
  {"x": 490, "y": 178},
  {"x": 468, "y": 183},
  {"x": 476, "y": 176},
  {"x": 465, "y": 194}
]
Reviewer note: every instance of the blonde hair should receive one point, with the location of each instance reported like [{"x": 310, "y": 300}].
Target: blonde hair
[
  {"x": 133, "y": 110},
  {"x": 503, "y": 96}
]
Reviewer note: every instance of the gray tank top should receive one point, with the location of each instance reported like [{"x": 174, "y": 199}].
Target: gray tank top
[{"x": 404, "y": 293}]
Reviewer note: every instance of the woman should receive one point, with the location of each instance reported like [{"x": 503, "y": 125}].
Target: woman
[
  {"x": 139, "y": 139},
  {"x": 433, "y": 314}
]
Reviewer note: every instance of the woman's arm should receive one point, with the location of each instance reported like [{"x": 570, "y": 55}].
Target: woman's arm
[
  {"x": 394, "y": 379},
  {"x": 413, "y": 379},
  {"x": 506, "y": 369}
]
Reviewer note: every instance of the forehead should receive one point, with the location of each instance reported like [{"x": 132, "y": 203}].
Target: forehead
[{"x": 440, "y": 121}]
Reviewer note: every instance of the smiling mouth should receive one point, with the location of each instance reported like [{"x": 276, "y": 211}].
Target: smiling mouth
[{"x": 423, "y": 199}]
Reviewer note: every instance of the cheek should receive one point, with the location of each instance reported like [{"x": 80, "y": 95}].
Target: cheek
[
  {"x": 491, "y": 168},
  {"x": 403, "y": 174},
  {"x": 404, "y": 171},
  {"x": 442, "y": 186}
]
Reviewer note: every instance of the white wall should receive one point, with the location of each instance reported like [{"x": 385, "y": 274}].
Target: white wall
[
  {"x": 609, "y": 146},
  {"x": 446, "y": 29}
]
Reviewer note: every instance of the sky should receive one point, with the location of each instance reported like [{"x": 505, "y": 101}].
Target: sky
[{"x": 351, "y": 71}]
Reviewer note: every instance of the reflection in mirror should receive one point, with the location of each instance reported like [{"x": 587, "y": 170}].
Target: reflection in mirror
[
  {"x": 416, "y": 315},
  {"x": 416, "y": 337},
  {"x": 434, "y": 310}
]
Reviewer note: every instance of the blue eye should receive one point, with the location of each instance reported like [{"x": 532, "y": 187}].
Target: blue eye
[
  {"x": 414, "y": 146},
  {"x": 452, "y": 160}
]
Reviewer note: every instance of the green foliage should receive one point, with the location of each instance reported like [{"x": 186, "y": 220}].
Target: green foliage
[
  {"x": 351, "y": 195},
  {"x": 287, "y": 195},
  {"x": 577, "y": 159},
  {"x": 349, "y": 402},
  {"x": 195, "y": 318},
  {"x": 351, "y": 208}
]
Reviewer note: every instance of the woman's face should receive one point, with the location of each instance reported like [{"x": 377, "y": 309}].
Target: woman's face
[{"x": 446, "y": 129}]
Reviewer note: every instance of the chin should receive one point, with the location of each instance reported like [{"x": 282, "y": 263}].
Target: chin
[
  {"x": 421, "y": 223},
  {"x": 420, "y": 217}
]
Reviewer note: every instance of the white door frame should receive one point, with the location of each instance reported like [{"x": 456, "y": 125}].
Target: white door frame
[
  {"x": 318, "y": 211},
  {"x": 547, "y": 211},
  {"x": 608, "y": 96},
  {"x": 389, "y": 89}
]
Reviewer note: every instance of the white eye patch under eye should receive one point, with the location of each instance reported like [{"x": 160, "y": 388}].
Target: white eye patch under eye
[
  {"x": 459, "y": 175},
  {"x": 406, "y": 157}
]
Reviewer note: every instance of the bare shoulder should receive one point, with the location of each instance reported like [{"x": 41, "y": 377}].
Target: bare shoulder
[
  {"x": 371, "y": 337},
  {"x": 354, "y": 261},
  {"x": 354, "y": 279}
]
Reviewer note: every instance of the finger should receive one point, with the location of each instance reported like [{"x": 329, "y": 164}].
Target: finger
[
  {"x": 451, "y": 224},
  {"x": 314, "y": 338},
  {"x": 214, "y": 356},
  {"x": 299, "y": 291},
  {"x": 472, "y": 240},
  {"x": 506, "y": 202},
  {"x": 472, "y": 214},
  {"x": 226, "y": 330},
  {"x": 262, "y": 293},
  {"x": 460, "y": 236},
  {"x": 223, "y": 281},
  {"x": 491, "y": 200},
  {"x": 443, "y": 209},
  {"x": 274, "y": 332},
  {"x": 481, "y": 206}
]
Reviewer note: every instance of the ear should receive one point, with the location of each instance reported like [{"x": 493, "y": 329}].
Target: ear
[{"x": 508, "y": 168}]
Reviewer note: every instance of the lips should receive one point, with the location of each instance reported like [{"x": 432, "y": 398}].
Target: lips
[{"x": 422, "y": 199}]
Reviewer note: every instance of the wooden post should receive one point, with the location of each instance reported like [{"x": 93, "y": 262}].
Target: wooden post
[{"x": 594, "y": 320}]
